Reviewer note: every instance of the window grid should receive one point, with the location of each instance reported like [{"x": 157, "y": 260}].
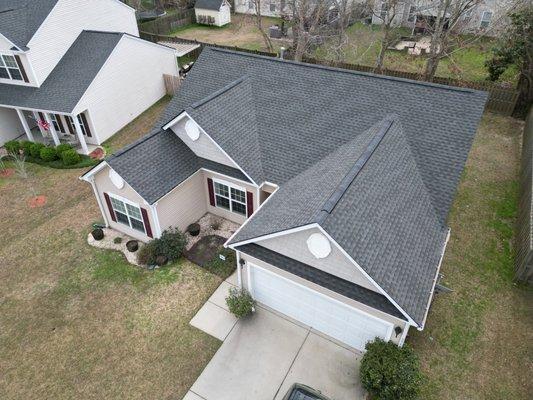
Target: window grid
[
  {"x": 55, "y": 123},
  {"x": 80, "y": 120},
  {"x": 9, "y": 68},
  {"x": 128, "y": 214},
  {"x": 230, "y": 198},
  {"x": 485, "y": 19}
]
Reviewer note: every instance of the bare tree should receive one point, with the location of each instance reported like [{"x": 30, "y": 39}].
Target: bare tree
[
  {"x": 386, "y": 13},
  {"x": 259, "y": 23}
]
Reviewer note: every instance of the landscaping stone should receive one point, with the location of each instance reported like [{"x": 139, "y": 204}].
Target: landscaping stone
[
  {"x": 108, "y": 242},
  {"x": 225, "y": 229}
]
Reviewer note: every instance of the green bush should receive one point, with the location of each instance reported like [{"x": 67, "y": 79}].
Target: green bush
[
  {"x": 390, "y": 372},
  {"x": 70, "y": 157},
  {"x": 48, "y": 154},
  {"x": 26, "y": 147},
  {"x": 240, "y": 302},
  {"x": 35, "y": 150},
  {"x": 220, "y": 267},
  {"x": 12, "y": 147},
  {"x": 171, "y": 245},
  {"x": 63, "y": 147}
]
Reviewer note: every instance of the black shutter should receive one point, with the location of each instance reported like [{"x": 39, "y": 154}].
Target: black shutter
[
  {"x": 110, "y": 207},
  {"x": 60, "y": 123},
  {"x": 147, "y": 223},
  {"x": 211, "y": 191},
  {"x": 250, "y": 203},
  {"x": 70, "y": 127},
  {"x": 85, "y": 123},
  {"x": 22, "y": 70}
]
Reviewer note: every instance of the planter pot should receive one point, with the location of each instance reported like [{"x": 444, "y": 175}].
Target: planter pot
[
  {"x": 98, "y": 234},
  {"x": 161, "y": 260},
  {"x": 132, "y": 246},
  {"x": 194, "y": 229}
]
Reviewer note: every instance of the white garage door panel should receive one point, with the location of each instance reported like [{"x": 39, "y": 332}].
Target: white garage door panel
[{"x": 327, "y": 315}]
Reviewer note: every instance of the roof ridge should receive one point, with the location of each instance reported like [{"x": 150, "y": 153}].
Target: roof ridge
[
  {"x": 346, "y": 71},
  {"x": 358, "y": 166},
  {"x": 218, "y": 92}
]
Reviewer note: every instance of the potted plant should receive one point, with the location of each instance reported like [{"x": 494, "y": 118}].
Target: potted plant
[
  {"x": 194, "y": 229},
  {"x": 98, "y": 234}
]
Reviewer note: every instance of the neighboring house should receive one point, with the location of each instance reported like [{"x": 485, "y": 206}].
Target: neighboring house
[
  {"x": 487, "y": 17},
  {"x": 269, "y": 8},
  {"x": 212, "y": 12},
  {"x": 79, "y": 67},
  {"x": 342, "y": 182}
]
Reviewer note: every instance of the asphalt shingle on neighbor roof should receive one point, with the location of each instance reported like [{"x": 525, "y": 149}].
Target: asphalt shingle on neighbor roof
[
  {"x": 208, "y": 4},
  {"x": 20, "y": 19},
  {"x": 157, "y": 163},
  {"x": 304, "y": 112},
  {"x": 71, "y": 77},
  {"x": 324, "y": 279},
  {"x": 383, "y": 218}
]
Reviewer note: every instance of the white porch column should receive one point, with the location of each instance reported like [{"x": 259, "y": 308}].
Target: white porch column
[
  {"x": 52, "y": 129},
  {"x": 79, "y": 132},
  {"x": 37, "y": 119},
  {"x": 25, "y": 125}
]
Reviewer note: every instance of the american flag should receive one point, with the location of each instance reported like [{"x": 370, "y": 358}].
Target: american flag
[{"x": 43, "y": 125}]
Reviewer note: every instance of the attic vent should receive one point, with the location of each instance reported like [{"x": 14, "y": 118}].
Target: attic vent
[
  {"x": 319, "y": 245},
  {"x": 192, "y": 130},
  {"x": 116, "y": 179}
]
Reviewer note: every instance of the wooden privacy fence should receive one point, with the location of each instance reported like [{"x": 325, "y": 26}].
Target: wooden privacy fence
[
  {"x": 172, "y": 84},
  {"x": 524, "y": 239},
  {"x": 168, "y": 23}
]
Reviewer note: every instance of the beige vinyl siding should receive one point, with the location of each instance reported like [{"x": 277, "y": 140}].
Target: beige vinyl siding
[
  {"x": 184, "y": 205},
  {"x": 203, "y": 147},
  {"x": 294, "y": 245},
  {"x": 237, "y": 218},
  {"x": 66, "y": 21},
  {"x": 104, "y": 185},
  {"x": 10, "y": 126},
  {"x": 130, "y": 82},
  {"x": 320, "y": 289}
]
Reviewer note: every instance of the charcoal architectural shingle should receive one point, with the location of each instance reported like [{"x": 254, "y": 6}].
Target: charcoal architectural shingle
[{"x": 209, "y": 4}]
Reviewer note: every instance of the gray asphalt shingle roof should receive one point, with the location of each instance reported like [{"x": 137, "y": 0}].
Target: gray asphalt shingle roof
[
  {"x": 209, "y": 4},
  {"x": 20, "y": 19},
  {"x": 71, "y": 77}
]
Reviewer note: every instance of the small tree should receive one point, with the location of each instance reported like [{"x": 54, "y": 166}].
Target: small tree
[
  {"x": 259, "y": 23},
  {"x": 389, "y": 372},
  {"x": 387, "y": 14}
]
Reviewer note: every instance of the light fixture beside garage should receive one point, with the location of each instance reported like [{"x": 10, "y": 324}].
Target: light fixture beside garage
[
  {"x": 319, "y": 245},
  {"x": 192, "y": 130},
  {"x": 116, "y": 179}
]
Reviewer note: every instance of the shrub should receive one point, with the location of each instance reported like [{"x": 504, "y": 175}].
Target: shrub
[
  {"x": 148, "y": 254},
  {"x": 390, "y": 372},
  {"x": 48, "y": 154},
  {"x": 12, "y": 147},
  {"x": 26, "y": 147},
  {"x": 171, "y": 244},
  {"x": 70, "y": 157},
  {"x": 240, "y": 302},
  {"x": 117, "y": 240},
  {"x": 35, "y": 150},
  {"x": 220, "y": 267},
  {"x": 63, "y": 147}
]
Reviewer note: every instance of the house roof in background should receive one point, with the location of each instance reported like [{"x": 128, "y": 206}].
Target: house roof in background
[
  {"x": 71, "y": 77},
  {"x": 209, "y": 4},
  {"x": 20, "y": 19}
]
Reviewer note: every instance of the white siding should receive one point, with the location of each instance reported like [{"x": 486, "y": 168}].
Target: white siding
[
  {"x": 10, "y": 126},
  {"x": 129, "y": 82},
  {"x": 242, "y": 7},
  {"x": 221, "y": 17},
  {"x": 5, "y": 45},
  {"x": 25, "y": 64},
  {"x": 184, "y": 205},
  {"x": 204, "y": 147},
  {"x": 327, "y": 292},
  {"x": 104, "y": 185},
  {"x": 294, "y": 245},
  {"x": 66, "y": 21}
]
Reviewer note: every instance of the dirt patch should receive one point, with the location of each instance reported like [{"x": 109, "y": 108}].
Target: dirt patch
[
  {"x": 37, "y": 201},
  {"x": 205, "y": 249},
  {"x": 6, "y": 173}
]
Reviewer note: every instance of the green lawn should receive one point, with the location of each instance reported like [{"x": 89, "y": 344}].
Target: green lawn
[
  {"x": 363, "y": 45},
  {"x": 477, "y": 342}
]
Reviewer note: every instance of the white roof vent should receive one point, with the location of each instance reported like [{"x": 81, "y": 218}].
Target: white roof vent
[
  {"x": 319, "y": 245},
  {"x": 116, "y": 179},
  {"x": 192, "y": 130}
]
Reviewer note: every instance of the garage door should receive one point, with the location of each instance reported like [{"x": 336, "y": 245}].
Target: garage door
[{"x": 327, "y": 315}]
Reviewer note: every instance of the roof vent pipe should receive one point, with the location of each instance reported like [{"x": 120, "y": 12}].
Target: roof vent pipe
[{"x": 282, "y": 53}]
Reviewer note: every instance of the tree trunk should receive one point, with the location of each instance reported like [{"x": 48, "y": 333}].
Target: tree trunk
[{"x": 383, "y": 51}]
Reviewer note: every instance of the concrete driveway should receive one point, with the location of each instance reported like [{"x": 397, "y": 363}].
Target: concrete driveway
[{"x": 264, "y": 355}]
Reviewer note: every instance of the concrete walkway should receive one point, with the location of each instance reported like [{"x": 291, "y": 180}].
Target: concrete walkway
[{"x": 262, "y": 356}]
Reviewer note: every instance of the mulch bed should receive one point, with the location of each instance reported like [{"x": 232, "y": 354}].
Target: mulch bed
[
  {"x": 6, "y": 173},
  {"x": 37, "y": 201},
  {"x": 205, "y": 250}
]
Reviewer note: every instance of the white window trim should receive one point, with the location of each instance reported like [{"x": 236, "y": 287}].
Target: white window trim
[
  {"x": 4, "y": 66},
  {"x": 54, "y": 120},
  {"x": 80, "y": 120},
  {"x": 483, "y": 20},
  {"x": 230, "y": 186},
  {"x": 126, "y": 201}
]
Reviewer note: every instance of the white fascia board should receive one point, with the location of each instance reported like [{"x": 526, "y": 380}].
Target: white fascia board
[
  {"x": 86, "y": 176},
  {"x": 34, "y": 109},
  {"x": 185, "y": 114},
  {"x": 435, "y": 280},
  {"x": 270, "y": 235}
]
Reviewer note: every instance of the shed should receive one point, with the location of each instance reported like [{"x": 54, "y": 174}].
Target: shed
[{"x": 212, "y": 12}]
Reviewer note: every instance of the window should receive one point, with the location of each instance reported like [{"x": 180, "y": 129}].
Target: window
[
  {"x": 251, "y": 4},
  {"x": 230, "y": 198},
  {"x": 485, "y": 19},
  {"x": 384, "y": 10},
  {"x": 468, "y": 14},
  {"x": 9, "y": 68},
  {"x": 272, "y": 6},
  {"x": 411, "y": 16},
  {"x": 82, "y": 125},
  {"x": 57, "y": 127},
  {"x": 128, "y": 214}
]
